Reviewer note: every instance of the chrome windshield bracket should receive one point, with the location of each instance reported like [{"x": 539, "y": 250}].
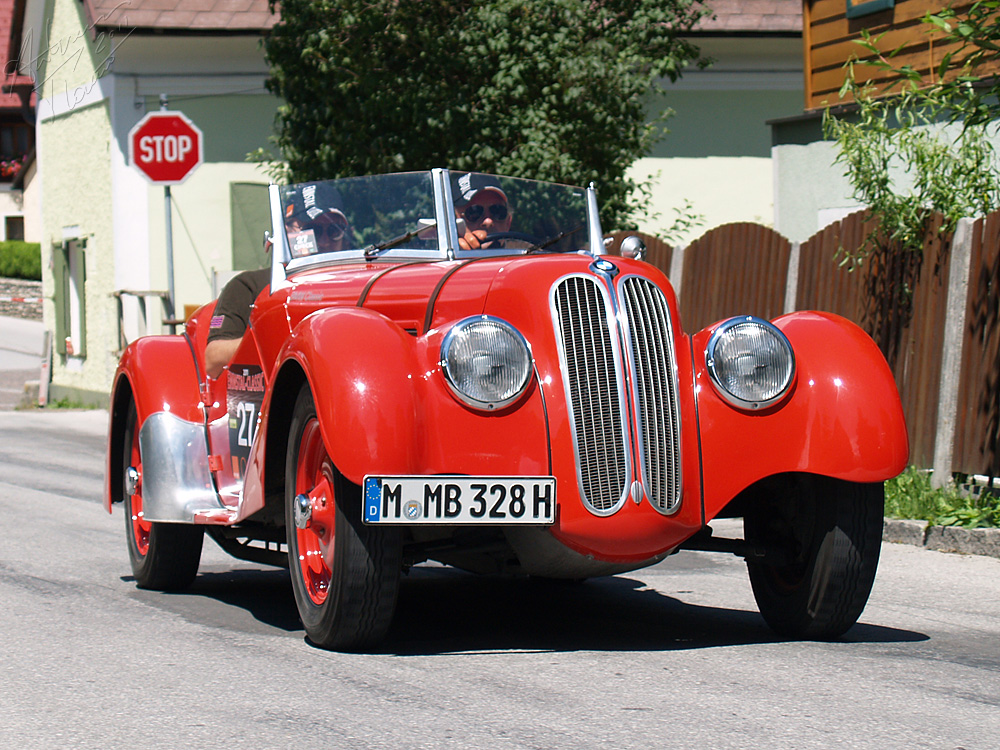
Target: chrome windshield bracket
[{"x": 594, "y": 235}]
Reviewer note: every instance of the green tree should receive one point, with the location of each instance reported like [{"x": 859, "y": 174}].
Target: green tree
[
  {"x": 904, "y": 164},
  {"x": 901, "y": 160},
  {"x": 547, "y": 89}
]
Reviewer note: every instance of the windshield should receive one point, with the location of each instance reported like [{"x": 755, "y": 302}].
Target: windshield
[
  {"x": 356, "y": 212},
  {"x": 431, "y": 214}
]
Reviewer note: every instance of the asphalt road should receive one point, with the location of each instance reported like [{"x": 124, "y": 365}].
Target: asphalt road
[
  {"x": 674, "y": 656},
  {"x": 20, "y": 357}
]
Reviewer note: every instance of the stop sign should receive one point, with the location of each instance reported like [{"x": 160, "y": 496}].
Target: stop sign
[{"x": 166, "y": 147}]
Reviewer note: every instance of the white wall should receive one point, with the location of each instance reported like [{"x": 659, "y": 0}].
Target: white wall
[{"x": 715, "y": 153}]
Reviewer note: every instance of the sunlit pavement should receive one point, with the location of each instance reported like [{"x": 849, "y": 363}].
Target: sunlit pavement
[{"x": 20, "y": 358}]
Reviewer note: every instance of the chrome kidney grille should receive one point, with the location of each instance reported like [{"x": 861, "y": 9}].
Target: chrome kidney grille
[
  {"x": 655, "y": 388},
  {"x": 596, "y": 401},
  {"x": 594, "y": 350}
]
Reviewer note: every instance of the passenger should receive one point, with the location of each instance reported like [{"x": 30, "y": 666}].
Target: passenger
[
  {"x": 231, "y": 317},
  {"x": 320, "y": 224},
  {"x": 482, "y": 203},
  {"x": 314, "y": 223}
]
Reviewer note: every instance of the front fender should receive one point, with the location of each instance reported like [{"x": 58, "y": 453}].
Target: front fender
[
  {"x": 366, "y": 383},
  {"x": 842, "y": 419}
]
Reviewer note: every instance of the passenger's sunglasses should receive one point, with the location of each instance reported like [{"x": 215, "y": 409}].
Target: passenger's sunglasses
[
  {"x": 334, "y": 231},
  {"x": 474, "y": 214}
]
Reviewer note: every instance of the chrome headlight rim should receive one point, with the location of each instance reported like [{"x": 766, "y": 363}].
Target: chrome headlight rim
[
  {"x": 472, "y": 400},
  {"x": 742, "y": 401}
]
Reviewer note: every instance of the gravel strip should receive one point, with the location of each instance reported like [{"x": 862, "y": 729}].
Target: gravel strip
[{"x": 21, "y": 289}]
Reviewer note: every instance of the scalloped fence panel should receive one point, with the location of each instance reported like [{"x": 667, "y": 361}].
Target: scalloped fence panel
[
  {"x": 898, "y": 297},
  {"x": 907, "y": 302},
  {"x": 977, "y": 429},
  {"x": 731, "y": 270}
]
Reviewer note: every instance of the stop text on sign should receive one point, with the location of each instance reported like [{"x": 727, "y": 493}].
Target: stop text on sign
[{"x": 154, "y": 148}]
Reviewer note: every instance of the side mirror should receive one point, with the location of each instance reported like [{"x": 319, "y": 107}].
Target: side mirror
[{"x": 633, "y": 247}]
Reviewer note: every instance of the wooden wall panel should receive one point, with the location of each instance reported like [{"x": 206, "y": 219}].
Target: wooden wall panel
[{"x": 830, "y": 41}]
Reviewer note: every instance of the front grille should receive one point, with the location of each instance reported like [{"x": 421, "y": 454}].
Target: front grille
[
  {"x": 588, "y": 348},
  {"x": 591, "y": 352},
  {"x": 655, "y": 390}
]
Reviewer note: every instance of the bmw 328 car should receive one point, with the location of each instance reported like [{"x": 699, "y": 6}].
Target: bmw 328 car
[{"x": 449, "y": 367}]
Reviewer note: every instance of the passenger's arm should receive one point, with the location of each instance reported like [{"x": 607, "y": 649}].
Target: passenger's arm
[{"x": 218, "y": 353}]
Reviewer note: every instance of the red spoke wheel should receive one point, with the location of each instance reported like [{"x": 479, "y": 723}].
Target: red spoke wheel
[
  {"x": 164, "y": 556},
  {"x": 831, "y": 533},
  {"x": 345, "y": 575}
]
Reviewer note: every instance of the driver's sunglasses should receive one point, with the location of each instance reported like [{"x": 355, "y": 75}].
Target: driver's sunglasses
[
  {"x": 334, "y": 231},
  {"x": 474, "y": 214}
]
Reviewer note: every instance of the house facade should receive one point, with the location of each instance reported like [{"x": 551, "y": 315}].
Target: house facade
[
  {"x": 19, "y": 215},
  {"x": 716, "y": 157},
  {"x": 99, "y": 66},
  {"x": 810, "y": 188}
]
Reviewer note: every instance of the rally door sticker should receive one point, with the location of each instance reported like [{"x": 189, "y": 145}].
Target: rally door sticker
[{"x": 245, "y": 394}]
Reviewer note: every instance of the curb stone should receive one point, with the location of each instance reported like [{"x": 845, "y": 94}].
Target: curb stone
[
  {"x": 942, "y": 538},
  {"x": 20, "y": 298}
]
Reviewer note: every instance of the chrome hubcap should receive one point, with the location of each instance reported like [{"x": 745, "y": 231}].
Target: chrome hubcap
[
  {"x": 131, "y": 480},
  {"x": 302, "y": 511}
]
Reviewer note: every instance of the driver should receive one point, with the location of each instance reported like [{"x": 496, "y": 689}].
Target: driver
[{"x": 481, "y": 202}]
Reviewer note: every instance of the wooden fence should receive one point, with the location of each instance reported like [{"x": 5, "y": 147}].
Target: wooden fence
[{"x": 935, "y": 316}]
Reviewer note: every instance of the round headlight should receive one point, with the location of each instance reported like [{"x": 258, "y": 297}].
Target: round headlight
[
  {"x": 486, "y": 362},
  {"x": 750, "y": 361}
]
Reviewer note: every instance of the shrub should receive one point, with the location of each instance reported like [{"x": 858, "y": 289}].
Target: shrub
[
  {"x": 911, "y": 496},
  {"x": 21, "y": 260}
]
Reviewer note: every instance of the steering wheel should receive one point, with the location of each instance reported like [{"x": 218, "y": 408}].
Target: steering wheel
[{"x": 530, "y": 240}]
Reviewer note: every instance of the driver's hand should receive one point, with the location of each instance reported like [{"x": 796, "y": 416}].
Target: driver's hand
[{"x": 472, "y": 240}]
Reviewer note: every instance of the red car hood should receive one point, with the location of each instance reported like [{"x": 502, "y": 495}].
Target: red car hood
[{"x": 422, "y": 296}]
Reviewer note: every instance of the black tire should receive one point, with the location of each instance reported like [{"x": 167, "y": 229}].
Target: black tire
[
  {"x": 831, "y": 531},
  {"x": 345, "y": 579},
  {"x": 164, "y": 556}
]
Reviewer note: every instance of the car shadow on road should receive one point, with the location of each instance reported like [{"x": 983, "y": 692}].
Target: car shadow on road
[
  {"x": 263, "y": 593},
  {"x": 441, "y": 610},
  {"x": 444, "y": 611}
]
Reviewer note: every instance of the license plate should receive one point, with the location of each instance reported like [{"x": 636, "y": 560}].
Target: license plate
[{"x": 460, "y": 500}]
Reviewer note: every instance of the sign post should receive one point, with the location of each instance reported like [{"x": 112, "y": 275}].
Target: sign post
[{"x": 166, "y": 147}]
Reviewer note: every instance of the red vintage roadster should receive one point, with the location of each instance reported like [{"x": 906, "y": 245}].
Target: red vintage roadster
[{"x": 507, "y": 400}]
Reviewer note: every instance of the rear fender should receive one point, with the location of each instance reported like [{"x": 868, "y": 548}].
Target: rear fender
[
  {"x": 159, "y": 374},
  {"x": 843, "y": 417},
  {"x": 365, "y": 379}
]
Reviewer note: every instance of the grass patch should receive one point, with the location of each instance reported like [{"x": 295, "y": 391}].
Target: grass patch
[
  {"x": 68, "y": 403},
  {"x": 911, "y": 496}
]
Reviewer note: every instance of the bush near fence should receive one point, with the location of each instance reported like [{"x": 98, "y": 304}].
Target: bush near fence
[
  {"x": 21, "y": 260},
  {"x": 935, "y": 316}
]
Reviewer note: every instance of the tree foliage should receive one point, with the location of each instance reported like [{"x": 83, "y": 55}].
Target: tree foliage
[
  {"x": 551, "y": 90},
  {"x": 903, "y": 164}
]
